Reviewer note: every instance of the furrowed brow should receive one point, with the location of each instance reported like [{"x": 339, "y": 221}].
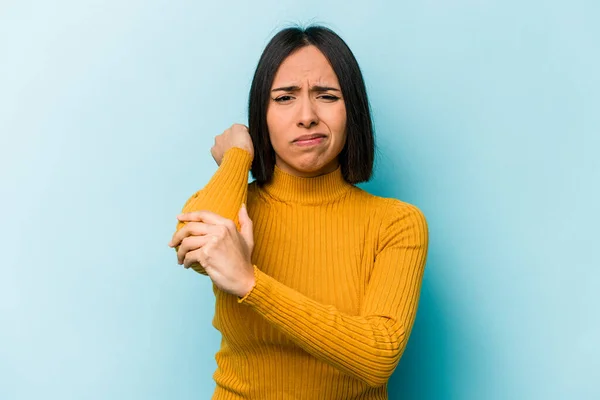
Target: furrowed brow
[
  {"x": 323, "y": 89},
  {"x": 287, "y": 89},
  {"x": 312, "y": 89}
]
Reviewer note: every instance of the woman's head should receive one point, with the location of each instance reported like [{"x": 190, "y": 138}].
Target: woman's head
[{"x": 308, "y": 82}]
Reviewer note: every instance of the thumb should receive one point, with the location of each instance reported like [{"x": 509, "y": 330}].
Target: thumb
[{"x": 246, "y": 227}]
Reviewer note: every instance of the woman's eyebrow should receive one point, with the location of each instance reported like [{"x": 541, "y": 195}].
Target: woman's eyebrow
[{"x": 312, "y": 89}]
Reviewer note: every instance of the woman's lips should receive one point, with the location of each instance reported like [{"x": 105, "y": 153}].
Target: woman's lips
[{"x": 310, "y": 142}]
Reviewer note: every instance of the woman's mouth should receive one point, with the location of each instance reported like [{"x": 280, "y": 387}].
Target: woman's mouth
[{"x": 310, "y": 141}]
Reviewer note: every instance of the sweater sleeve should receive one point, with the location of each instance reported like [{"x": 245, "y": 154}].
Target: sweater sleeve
[
  {"x": 367, "y": 346},
  {"x": 225, "y": 192}
]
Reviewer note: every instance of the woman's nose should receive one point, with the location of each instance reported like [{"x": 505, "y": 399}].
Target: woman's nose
[{"x": 307, "y": 114}]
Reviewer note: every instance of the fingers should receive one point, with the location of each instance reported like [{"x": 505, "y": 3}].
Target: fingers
[
  {"x": 238, "y": 127},
  {"x": 208, "y": 218},
  {"x": 200, "y": 229},
  {"x": 190, "y": 229},
  {"x": 203, "y": 216},
  {"x": 191, "y": 244},
  {"x": 194, "y": 257}
]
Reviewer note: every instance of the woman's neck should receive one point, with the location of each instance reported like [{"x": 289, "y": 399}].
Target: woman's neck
[
  {"x": 320, "y": 189},
  {"x": 301, "y": 173}
]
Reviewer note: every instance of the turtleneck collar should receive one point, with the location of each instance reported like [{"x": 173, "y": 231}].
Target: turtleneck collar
[{"x": 294, "y": 189}]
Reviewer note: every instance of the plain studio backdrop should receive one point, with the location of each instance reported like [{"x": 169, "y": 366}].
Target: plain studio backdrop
[{"x": 487, "y": 117}]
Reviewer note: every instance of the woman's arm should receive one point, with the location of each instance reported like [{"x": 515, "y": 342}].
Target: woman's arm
[
  {"x": 367, "y": 346},
  {"x": 225, "y": 192}
]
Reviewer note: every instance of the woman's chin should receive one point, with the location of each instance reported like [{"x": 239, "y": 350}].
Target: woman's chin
[
  {"x": 316, "y": 169},
  {"x": 308, "y": 165}
]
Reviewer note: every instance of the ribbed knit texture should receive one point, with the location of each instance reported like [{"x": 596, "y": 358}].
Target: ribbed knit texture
[{"x": 338, "y": 277}]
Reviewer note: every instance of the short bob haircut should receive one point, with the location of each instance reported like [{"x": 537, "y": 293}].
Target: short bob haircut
[{"x": 356, "y": 158}]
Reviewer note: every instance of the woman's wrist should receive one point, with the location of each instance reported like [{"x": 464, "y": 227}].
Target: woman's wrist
[{"x": 249, "y": 285}]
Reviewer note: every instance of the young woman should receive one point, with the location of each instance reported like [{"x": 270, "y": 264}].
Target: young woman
[{"x": 316, "y": 281}]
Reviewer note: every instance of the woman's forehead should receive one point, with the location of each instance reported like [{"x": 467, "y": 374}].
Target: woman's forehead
[{"x": 305, "y": 66}]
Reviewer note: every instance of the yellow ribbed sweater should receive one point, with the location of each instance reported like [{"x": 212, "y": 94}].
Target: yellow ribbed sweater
[{"x": 338, "y": 276}]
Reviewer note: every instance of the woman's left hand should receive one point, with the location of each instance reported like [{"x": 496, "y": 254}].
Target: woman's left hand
[{"x": 214, "y": 242}]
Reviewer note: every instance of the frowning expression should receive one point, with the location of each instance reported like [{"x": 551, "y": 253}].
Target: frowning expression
[{"x": 306, "y": 115}]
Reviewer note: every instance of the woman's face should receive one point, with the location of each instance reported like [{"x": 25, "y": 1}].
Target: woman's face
[{"x": 306, "y": 99}]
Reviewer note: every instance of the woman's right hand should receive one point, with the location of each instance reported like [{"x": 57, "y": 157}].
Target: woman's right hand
[{"x": 235, "y": 136}]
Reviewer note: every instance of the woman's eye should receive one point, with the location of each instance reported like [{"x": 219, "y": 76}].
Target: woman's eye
[{"x": 326, "y": 97}]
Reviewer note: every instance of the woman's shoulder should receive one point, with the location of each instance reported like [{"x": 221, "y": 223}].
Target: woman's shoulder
[
  {"x": 399, "y": 222},
  {"x": 389, "y": 207},
  {"x": 396, "y": 218}
]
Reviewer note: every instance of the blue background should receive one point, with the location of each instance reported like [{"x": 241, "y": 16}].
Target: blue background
[{"x": 487, "y": 116}]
